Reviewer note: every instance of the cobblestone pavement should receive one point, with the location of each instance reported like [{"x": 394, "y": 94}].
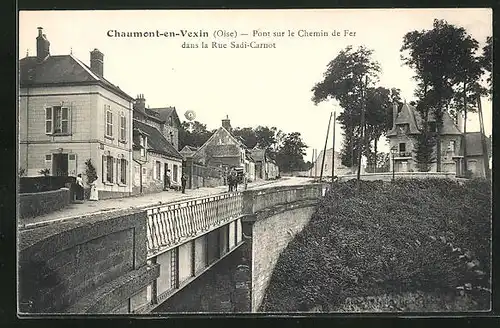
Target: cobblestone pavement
[{"x": 90, "y": 207}]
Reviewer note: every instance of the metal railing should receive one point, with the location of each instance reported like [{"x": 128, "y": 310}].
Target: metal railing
[{"x": 174, "y": 224}]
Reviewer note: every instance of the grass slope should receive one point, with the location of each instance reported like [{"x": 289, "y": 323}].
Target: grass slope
[{"x": 399, "y": 239}]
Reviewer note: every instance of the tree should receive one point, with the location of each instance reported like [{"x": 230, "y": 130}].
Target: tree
[
  {"x": 379, "y": 116},
  {"x": 487, "y": 62},
  {"x": 193, "y": 134},
  {"x": 247, "y": 134},
  {"x": 424, "y": 150},
  {"x": 290, "y": 156},
  {"x": 90, "y": 172},
  {"x": 433, "y": 55},
  {"x": 344, "y": 81}
]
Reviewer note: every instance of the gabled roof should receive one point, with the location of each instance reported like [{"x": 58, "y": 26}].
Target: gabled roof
[
  {"x": 217, "y": 132},
  {"x": 258, "y": 154},
  {"x": 474, "y": 144},
  {"x": 165, "y": 112},
  {"x": 156, "y": 141},
  {"x": 62, "y": 70},
  {"x": 409, "y": 115}
]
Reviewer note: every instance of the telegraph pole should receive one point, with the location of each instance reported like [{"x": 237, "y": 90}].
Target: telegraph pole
[
  {"x": 333, "y": 146},
  {"x": 324, "y": 151},
  {"x": 483, "y": 139},
  {"x": 362, "y": 139}
]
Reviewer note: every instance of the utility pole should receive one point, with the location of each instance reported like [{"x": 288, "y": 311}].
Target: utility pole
[
  {"x": 362, "y": 139},
  {"x": 315, "y": 162},
  {"x": 333, "y": 147},
  {"x": 324, "y": 151},
  {"x": 312, "y": 162},
  {"x": 483, "y": 139}
]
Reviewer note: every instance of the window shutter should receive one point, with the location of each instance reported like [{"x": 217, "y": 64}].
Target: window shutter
[
  {"x": 117, "y": 176},
  {"x": 72, "y": 165},
  {"x": 48, "y": 120},
  {"x": 154, "y": 170},
  {"x": 104, "y": 165},
  {"x": 125, "y": 171}
]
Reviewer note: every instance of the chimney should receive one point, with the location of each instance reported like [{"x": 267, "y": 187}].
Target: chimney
[
  {"x": 42, "y": 46},
  {"x": 394, "y": 114},
  {"x": 97, "y": 62},
  {"x": 226, "y": 123},
  {"x": 140, "y": 103}
]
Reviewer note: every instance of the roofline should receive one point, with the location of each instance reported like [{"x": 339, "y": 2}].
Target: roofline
[{"x": 65, "y": 84}]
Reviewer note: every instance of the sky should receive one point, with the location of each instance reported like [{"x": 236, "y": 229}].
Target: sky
[{"x": 252, "y": 86}]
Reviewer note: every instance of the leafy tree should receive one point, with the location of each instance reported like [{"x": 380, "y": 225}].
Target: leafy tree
[
  {"x": 247, "y": 134},
  {"x": 378, "y": 115},
  {"x": 435, "y": 56},
  {"x": 487, "y": 61},
  {"x": 424, "y": 150},
  {"x": 90, "y": 172},
  {"x": 290, "y": 156},
  {"x": 344, "y": 81},
  {"x": 193, "y": 134}
]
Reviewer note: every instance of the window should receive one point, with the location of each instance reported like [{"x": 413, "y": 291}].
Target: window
[
  {"x": 171, "y": 138},
  {"x": 158, "y": 170},
  {"x": 123, "y": 128},
  {"x": 57, "y": 120},
  {"x": 402, "y": 147},
  {"x": 143, "y": 145},
  {"x": 176, "y": 173},
  {"x": 109, "y": 121},
  {"x": 451, "y": 146},
  {"x": 109, "y": 169},
  {"x": 170, "y": 121},
  {"x": 144, "y": 171},
  {"x": 123, "y": 169}
]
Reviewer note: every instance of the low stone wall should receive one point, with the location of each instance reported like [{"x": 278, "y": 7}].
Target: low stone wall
[
  {"x": 87, "y": 265},
  {"x": 35, "y": 204}
]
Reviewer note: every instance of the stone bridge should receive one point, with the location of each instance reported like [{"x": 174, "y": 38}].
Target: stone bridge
[{"x": 141, "y": 261}]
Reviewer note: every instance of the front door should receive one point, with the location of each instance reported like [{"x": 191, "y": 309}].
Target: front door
[
  {"x": 404, "y": 167},
  {"x": 60, "y": 164}
]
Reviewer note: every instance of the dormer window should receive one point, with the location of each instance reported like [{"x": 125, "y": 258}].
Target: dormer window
[
  {"x": 403, "y": 128},
  {"x": 143, "y": 143}
]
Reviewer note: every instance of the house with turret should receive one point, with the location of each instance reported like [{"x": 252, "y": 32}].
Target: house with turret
[{"x": 408, "y": 124}]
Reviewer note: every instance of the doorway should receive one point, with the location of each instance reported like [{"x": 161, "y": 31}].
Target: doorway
[{"x": 60, "y": 164}]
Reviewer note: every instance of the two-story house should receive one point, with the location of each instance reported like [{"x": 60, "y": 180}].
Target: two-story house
[
  {"x": 407, "y": 125},
  {"x": 68, "y": 114},
  {"x": 155, "y": 138},
  {"x": 222, "y": 149}
]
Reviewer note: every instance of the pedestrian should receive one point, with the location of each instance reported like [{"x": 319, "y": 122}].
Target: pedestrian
[
  {"x": 235, "y": 181},
  {"x": 167, "y": 181},
  {"x": 183, "y": 182},
  {"x": 245, "y": 180},
  {"x": 79, "y": 184},
  {"x": 230, "y": 182}
]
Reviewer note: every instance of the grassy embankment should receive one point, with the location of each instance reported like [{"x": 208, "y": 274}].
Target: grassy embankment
[{"x": 412, "y": 245}]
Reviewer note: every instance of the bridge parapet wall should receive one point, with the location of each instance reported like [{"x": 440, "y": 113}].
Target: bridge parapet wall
[{"x": 87, "y": 265}]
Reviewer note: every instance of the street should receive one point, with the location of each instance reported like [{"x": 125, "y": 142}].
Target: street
[{"x": 90, "y": 207}]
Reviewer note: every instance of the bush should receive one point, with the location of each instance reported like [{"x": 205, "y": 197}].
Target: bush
[{"x": 406, "y": 236}]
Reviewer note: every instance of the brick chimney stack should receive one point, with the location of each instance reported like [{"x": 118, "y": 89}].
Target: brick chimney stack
[
  {"x": 42, "y": 46},
  {"x": 226, "y": 123},
  {"x": 97, "y": 62},
  {"x": 140, "y": 103}
]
